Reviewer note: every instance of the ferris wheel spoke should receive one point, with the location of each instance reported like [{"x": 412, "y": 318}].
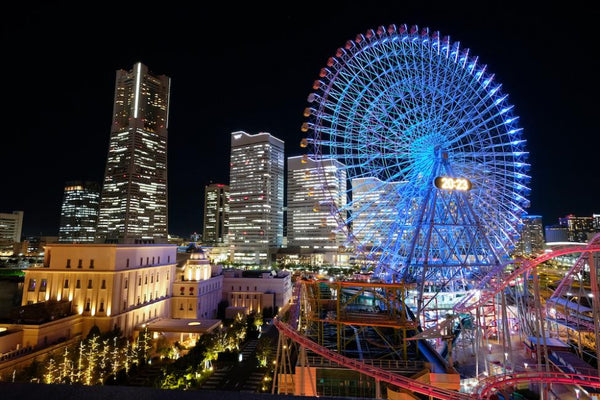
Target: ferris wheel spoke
[{"x": 384, "y": 110}]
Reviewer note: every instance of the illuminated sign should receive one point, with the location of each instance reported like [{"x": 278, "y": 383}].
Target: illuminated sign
[{"x": 448, "y": 183}]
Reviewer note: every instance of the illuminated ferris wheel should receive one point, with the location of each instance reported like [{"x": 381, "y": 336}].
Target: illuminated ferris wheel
[{"x": 434, "y": 157}]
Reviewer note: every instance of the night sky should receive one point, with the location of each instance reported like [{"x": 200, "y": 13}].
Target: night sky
[{"x": 251, "y": 68}]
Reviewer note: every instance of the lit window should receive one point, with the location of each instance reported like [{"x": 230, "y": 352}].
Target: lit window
[{"x": 31, "y": 285}]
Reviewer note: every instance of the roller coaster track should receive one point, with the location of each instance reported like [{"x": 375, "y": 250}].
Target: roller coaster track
[
  {"x": 494, "y": 282},
  {"x": 487, "y": 386},
  {"x": 369, "y": 370},
  {"x": 484, "y": 390}
]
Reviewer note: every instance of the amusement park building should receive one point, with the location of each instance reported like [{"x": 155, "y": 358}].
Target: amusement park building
[
  {"x": 256, "y": 196},
  {"x": 79, "y": 212},
  {"x": 133, "y": 208}
]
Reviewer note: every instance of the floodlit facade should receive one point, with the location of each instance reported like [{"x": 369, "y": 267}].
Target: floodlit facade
[
  {"x": 216, "y": 214},
  {"x": 256, "y": 196},
  {"x": 315, "y": 191},
  {"x": 133, "y": 208},
  {"x": 531, "y": 241},
  {"x": 11, "y": 225},
  {"x": 107, "y": 284},
  {"x": 79, "y": 212},
  {"x": 197, "y": 288},
  {"x": 256, "y": 290}
]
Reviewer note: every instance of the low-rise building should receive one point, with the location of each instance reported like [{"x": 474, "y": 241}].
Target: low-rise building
[
  {"x": 257, "y": 290},
  {"x": 197, "y": 287},
  {"x": 108, "y": 285}
]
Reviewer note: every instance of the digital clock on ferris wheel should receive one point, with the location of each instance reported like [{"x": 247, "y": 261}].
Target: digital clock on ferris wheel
[{"x": 448, "y": 183}]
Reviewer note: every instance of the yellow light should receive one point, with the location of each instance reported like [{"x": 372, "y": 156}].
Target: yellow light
[{"x": 194, "y": 323}]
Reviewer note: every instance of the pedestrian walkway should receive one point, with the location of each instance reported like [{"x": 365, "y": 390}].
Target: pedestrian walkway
[{"x": 214, "y": 381}]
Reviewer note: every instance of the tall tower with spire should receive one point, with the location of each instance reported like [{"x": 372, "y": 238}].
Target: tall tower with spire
[{"x": 133, "y": 207}]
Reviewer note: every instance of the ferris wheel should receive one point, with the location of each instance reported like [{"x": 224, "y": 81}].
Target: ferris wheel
[{"x": 434, "y": 157}]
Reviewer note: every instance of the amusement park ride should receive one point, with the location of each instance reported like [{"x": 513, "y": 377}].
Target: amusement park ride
[{"x": 426, "y": 129}]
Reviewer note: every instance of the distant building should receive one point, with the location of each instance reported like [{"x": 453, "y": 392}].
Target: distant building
[
  {"x": 531, "y": 241},
  {"x": 36, "y": 244},
  {"x": 256, "y": 196},
  {"x": 197, "y": 287},
  {"x": 216, "y": 214},
  {"x": 572, "y": 228},
  {"x": 79, "y": 212},
  {"x": 316, "y": 190},
  {"x": 255, "y": 290},
  {"x": 556, "y": 233},
  {"x": 11, "y": 226},
  {"x": 133, "y": 208},
  {"x": 374, "y": 204}
]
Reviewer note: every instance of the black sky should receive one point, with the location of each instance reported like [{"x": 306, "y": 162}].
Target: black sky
[{"x": 251, "y": 68}]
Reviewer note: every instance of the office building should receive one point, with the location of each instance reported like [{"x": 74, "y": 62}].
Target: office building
[
  {"x": 11, "y": 225},
  {"x": 79, "y": 212},
  {"x": 531, "y": 241},
  {"x": 374, "y": 208},
  {"x": 133, "y": 207},
  {"x": 256, "y": 197},
  {"x": 216, "y": 214},
  {"x": 316, "y": 191}
]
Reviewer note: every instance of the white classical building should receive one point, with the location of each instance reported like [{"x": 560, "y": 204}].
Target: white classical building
[
  {"x": 197, "y": 288},
  {"x": 256, "y": 290},
  {"x": 108, "y": 285}
]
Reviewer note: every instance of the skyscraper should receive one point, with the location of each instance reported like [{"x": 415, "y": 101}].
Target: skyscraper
[
  {"x": 531, "y": 241},
  {"x": 11, "y": 226},
  {"x": 310, "y": 205},
  {"x": 216, "y": 213},
  {"x": 133, "y": 208},
  {"x": 374, "y": 207},
  {"x": 79, "y": 212},
  {"x": 256, "y": 197}
]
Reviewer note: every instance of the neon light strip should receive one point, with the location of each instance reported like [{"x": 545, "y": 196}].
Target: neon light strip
[{"x": 137, "y": 90}]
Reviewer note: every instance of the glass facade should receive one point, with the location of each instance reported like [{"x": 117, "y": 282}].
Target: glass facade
[
  {"x": 216, "y": 214},
  {"x": 256, "y": 196},
  {"x": 79, "y": 212},
  {"x": 532, "y": 240},
  {"x": 133, "y": 208},
  {"x": 316, "y": 190},
  {"x": 374, "y": 210}
]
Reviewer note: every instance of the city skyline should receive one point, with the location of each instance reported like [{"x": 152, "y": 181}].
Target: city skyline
[{"x": 259, "y": 81}]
